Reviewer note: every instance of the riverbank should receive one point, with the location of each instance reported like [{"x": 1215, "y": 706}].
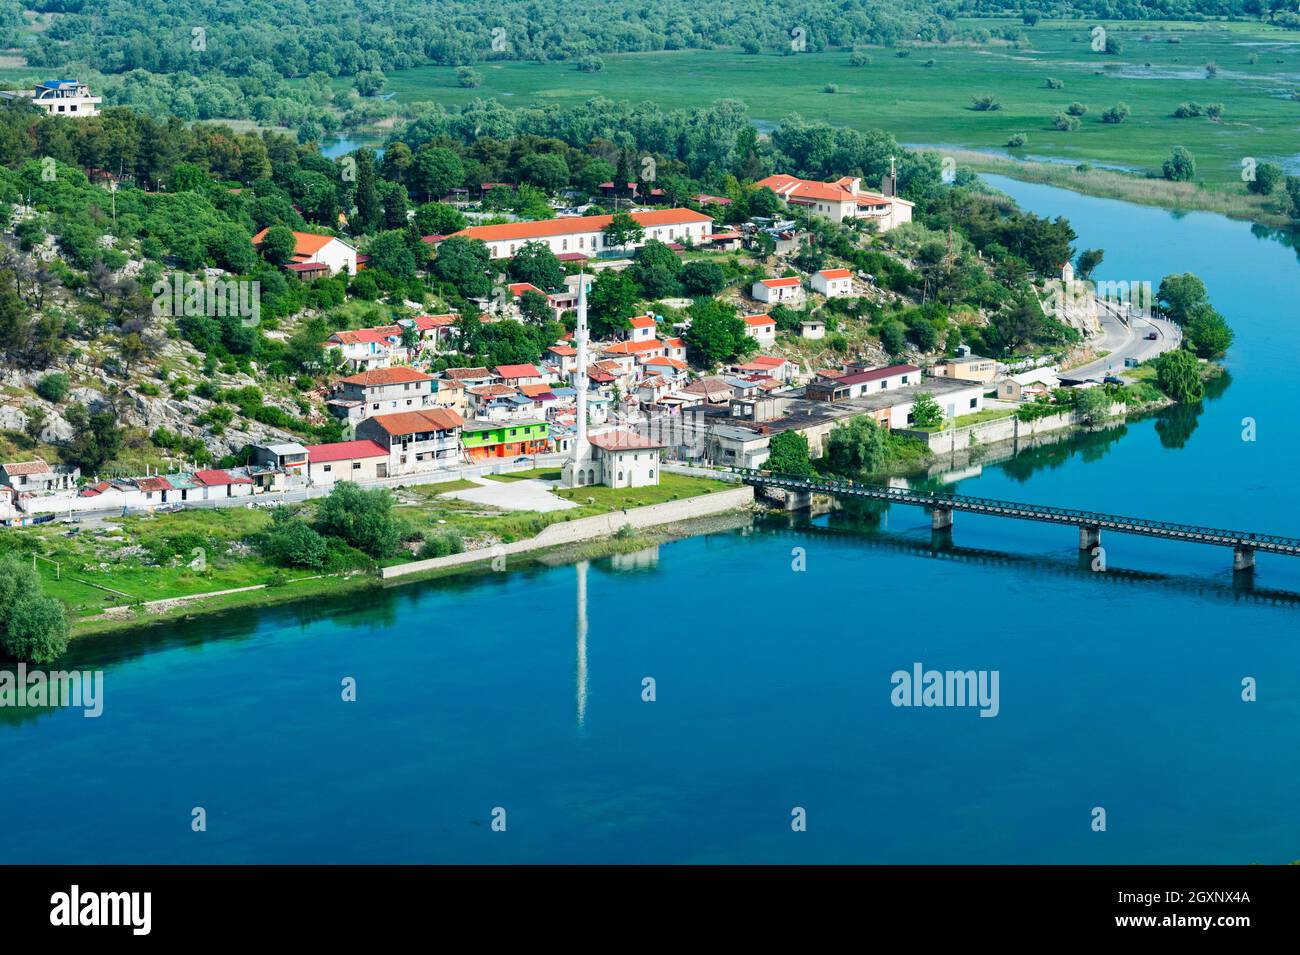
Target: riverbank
[
  {"x": 1110, "y": 184},
  {"x": 583, "y": 538}
]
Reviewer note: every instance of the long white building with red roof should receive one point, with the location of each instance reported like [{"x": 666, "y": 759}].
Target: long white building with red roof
[
  {"x": 839, "y": 200},
  {"x": 586, "y": 233}
]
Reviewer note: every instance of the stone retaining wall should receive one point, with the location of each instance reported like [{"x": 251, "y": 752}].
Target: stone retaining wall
[{"x": 589, "y": 528}]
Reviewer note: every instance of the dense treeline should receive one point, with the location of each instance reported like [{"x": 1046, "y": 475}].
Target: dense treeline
[{"x": 296, "y": 38}]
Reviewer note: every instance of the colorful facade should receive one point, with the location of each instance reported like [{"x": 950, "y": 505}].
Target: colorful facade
[{"x": 504, "y": 439}]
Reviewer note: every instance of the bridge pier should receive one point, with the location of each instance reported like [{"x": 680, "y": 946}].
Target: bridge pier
[
  {"x": 798, "y": 500},
  {"x": 1243, "y": 558},
  {"x": 941, "y": 519},
  {"x": 1089, "y": 536}
]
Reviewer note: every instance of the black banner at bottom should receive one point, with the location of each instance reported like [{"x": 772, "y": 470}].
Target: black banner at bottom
[{"x": 334, "y": 903}]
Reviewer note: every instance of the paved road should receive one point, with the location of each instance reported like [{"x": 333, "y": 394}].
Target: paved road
[{"x": 1127, "y": 339}]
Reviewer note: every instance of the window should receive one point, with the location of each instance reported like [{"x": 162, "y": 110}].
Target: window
[
  {"x": 905, "y": 379},
  {"x": 328, "y": 468},
  {"x": 356, "y": 465},
  {"x": 972, "y": 402}
]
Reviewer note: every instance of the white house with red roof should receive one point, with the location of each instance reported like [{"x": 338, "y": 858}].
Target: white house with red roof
[
  {"x": 516, "y": 375},
  {"x": 840, "y": 200},
  {"x": 641, "y": 328},
  {"x": 833, "y": 283},
  {"x": 325, "y": 252},
  {"x": 367, "y": 348},
  {"x": 770, "y": 366},
  {"x": 214, "y": 483},
  {"x": 761, "y": 328},
  {"x": 438, "y": 331},
  {"x": 358, "y": 461},
  {"x": 774, "y": 291},
  {"x": 586, "y": 233}
]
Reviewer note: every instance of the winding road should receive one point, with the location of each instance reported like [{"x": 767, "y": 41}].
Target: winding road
[{"x": 1126, "y": 337}]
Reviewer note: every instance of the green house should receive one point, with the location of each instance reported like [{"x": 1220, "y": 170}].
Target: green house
[{"x": 504, "y": 439}]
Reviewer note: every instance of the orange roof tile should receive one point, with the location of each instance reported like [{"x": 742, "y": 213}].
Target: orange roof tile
[
  {"x": 576, "y": 225},
  {"x": 386, "y": 376},
  {"x": 410, "y": 422}
]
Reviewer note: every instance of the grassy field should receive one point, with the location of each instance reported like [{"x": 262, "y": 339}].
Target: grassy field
[
  {"x": 929, "y": 104},
  {"x": 145, "y": 558}
]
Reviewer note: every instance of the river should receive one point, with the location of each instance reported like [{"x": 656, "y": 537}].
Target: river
[{"x": 772, "y": 685}]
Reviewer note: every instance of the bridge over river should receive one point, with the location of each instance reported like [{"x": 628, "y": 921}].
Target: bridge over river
[{"x": 942, "y": 505}]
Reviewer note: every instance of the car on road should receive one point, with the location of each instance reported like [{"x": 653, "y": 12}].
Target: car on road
[
  {"x": 521, "y": 459},
  {"x": 1113, "y": 380},
  {"x": 1152, "y": 336}
]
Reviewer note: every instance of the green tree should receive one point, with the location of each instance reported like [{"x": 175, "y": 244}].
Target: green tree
[
  {"x": 292, "y": 542},
  {"x": 54, "y": 387},
  {"x": 717, "y": 333},
  {"x": 1117, "y": 113},
  {"x": 278, "y": 245},
  {"x": 926, "y": 412},
  {"x": 858, "y": 446},
  {"x": 435, "y": 171},
  {"x": 464, "y": 263},
  {"x": 438, "y": 218},
  {"x": 546, "y": 171},
  {"x": 1092, "y": 405},
  {"x": 364, "y": 519},
  {"x": 536, "y": 264},
  {"x": 611, "y": 301},
  {"x": 702, "y": 277},
  {"x": 96, "y": 438},
  {"x": 1207, "y": 333},
  {"x": 1179, "y": 294},
  {"x": 1089, "y": 259},
  {"x": 1178, "y": 374},
  {"x": 33, "y": 625},
  {"x": 655, "y": 270},
  {"x": 1268, "y": 176},
  {"x": 366, "y": 218},
  {"x": 788, "y": 454},
  {"x": 389, "y": 253},
  {"x": 623, "y": 230},
  {"x": 469, "y": 78},
  {"x": 1180, "y": 166}
]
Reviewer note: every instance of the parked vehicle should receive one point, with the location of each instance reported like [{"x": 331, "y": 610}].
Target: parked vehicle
[{"x": 1112, "y": 380}]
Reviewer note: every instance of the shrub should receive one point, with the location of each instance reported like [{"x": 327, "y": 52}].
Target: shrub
[
  {"x": 1017, "y": 140},
  {"x": 441, "y": 545},
  {"x": 54, "y": 387},
  {"x": 33, "y": 625}
]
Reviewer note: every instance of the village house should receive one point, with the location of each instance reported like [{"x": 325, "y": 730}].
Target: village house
[
  {"x": 586, "y": 233},
  {"x": 38, "y": 477},
  {"x": 289, "y": 458},
  {"x": 773, "y": 366},
  {"x": 358, "y": 461},
  {"x": 316, "y": 255},
  {"x": 708, "y": 390},
  {"x": 213, "y": 484},
  {"x": 58, "y": 98},
  {"x": 833, "y": 283},
  {"x": 861, "y": 383},
  {"x": 966, "y": 367},
  {"x": 497, "y": 439},
  {"x": 416, "y": 440},
  {"x": 565, "y": 358},
  {"x": 761, "y": 328},
  {"x": 774, "y": 291},
  {"x": 516, "y": 375},
  {"x": 380, "y": 391},
  {"x": 367, "y": 348},
  {"x": 641, "y": 328},
  {"x": 840, "y": 200},
  {"x": 469, "y": 377},
  {"x": 812, "y": 328},
  {"x": 439, "y": 332}
]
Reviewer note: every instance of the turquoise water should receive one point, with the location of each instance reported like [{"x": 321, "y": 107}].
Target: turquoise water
[{"x": 772, "y": 686}]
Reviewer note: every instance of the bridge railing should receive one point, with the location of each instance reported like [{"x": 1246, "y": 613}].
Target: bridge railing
[{"x": 946, "y": 499}]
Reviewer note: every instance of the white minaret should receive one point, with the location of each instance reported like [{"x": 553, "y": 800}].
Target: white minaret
[{"x": 580, "y": 452}]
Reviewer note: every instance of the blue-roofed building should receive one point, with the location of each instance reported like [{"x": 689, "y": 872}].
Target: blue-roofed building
[{"x": 58, "y": 98}]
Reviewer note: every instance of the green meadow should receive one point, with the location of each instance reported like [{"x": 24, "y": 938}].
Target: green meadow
[{"x": 924, "y": 98}]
